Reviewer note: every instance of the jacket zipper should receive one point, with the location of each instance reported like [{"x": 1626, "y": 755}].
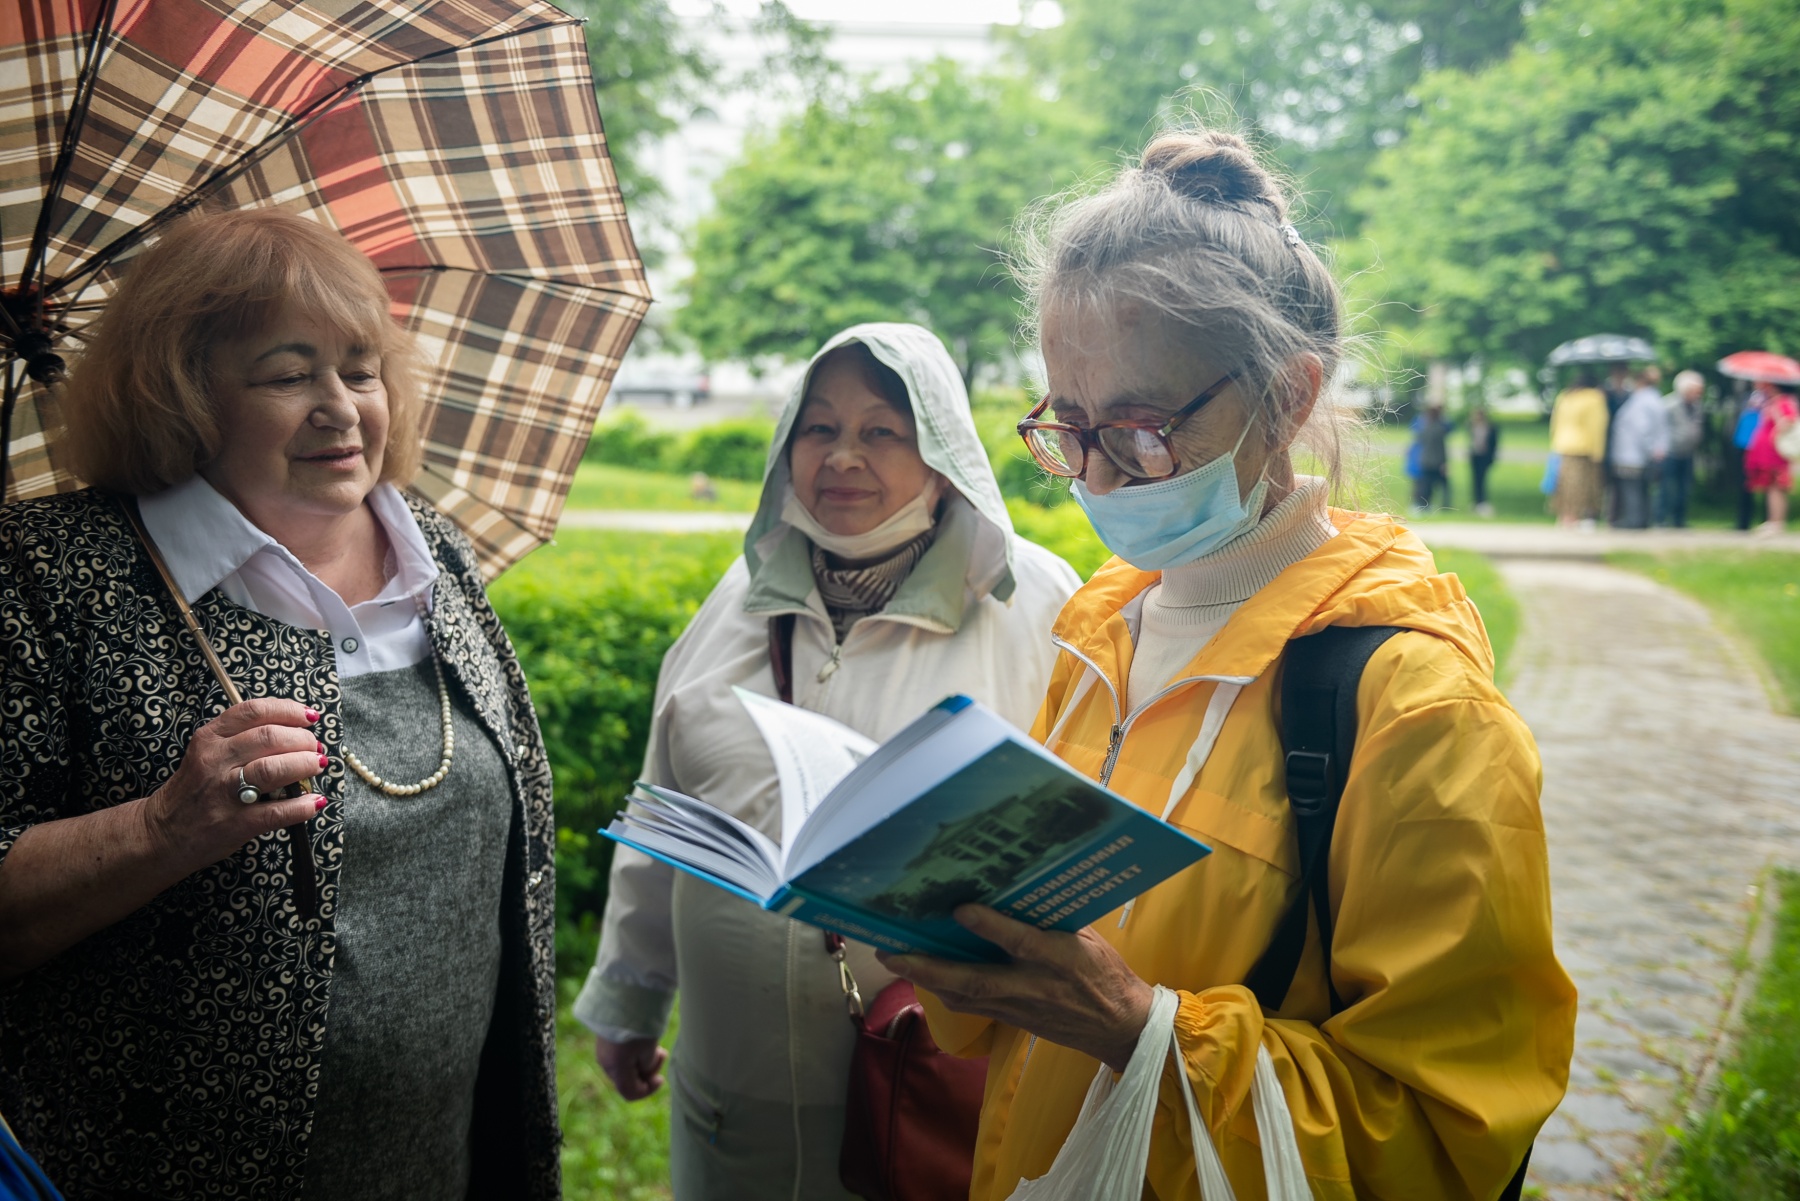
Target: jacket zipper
[{"x": 1122, "y": 724}]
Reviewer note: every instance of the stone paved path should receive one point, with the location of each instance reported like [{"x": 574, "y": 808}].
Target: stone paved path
[{"x": 1669, "y": 784}]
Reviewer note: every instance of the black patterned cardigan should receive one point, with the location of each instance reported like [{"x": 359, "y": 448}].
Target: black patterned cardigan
[{"x": 176, "y": 1054}]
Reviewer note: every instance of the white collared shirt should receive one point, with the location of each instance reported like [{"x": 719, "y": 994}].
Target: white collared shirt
[{"x": 208, "y": 543}]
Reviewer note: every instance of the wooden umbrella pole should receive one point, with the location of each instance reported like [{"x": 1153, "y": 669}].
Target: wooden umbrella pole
[{"x": 305, "y": 869}]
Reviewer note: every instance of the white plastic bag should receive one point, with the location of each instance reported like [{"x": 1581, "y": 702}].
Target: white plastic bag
[{"x": 1108, "y": 1151}]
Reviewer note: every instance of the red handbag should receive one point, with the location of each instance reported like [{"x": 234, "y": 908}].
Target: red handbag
[{"x": 912, "y": 1110}]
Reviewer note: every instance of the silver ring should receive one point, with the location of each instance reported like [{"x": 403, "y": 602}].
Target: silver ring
[{"x": 247, "y": 792}]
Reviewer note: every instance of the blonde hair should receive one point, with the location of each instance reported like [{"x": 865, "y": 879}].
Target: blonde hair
[
  {"x": 1200, "y": 231},
  {"x": 140, "y": 413}
]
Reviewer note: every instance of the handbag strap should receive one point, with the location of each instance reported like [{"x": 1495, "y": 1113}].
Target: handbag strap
[{"x": 305, "y": 870}]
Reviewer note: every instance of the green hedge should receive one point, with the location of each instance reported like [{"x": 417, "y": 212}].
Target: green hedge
[
  {"x": 591, "y": 618},
  {"x": 730, "y": 450}
]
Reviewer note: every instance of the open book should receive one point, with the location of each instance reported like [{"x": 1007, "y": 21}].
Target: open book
[{"x": 881, "y": 843}]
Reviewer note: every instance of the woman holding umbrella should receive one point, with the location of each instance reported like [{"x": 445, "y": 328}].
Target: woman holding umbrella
[
  {"x": 1766, "y": 469},
  {"x": 184, "y": 1009}
]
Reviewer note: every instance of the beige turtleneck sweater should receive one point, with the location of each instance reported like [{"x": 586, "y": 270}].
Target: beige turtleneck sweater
[{"x": 1193, "y": 602}]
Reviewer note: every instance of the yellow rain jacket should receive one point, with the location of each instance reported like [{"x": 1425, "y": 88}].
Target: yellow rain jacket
[{"x": 1455, "y": 1042}]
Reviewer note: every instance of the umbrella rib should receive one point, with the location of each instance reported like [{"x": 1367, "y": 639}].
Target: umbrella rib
[
  {"x": 269, "y": 145},
  {"x": 535, "y": 280},
  {"x": 65, "y": 155}
]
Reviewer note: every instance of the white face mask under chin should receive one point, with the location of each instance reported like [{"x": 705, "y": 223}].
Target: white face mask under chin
[{"x": 913, "y": 519}]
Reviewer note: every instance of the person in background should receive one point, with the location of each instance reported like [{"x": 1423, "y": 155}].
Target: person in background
[
  {"x": 1686, "y": 422},
  {"x": 1188, "y": 334},
  {"x": 1743, "y": 432},
  {"x": 1765, "y": 469},
  {"x": 1578, "y": 427},
  {"x": 1484, "y": 448},
  {"x": 1617, "y": 388},
  {"x": 883, "y": 545},
  {"x": 1431, "y": 434},
  {"x": 1639, "y": 441}
]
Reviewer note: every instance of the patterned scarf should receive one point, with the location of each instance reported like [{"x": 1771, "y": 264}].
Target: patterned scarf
[{"x": 852, "y": 593}]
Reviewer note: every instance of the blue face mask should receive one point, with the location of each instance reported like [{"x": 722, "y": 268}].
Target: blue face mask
[{"x": 1157, "y": 526}]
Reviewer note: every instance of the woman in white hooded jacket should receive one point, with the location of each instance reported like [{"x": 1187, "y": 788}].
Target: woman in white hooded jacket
[{"x": 882, "y": 532}]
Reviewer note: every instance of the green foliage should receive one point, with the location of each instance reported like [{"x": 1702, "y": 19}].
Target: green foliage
[
  {"x": 1323, "y": 84},
  {"x": 876, "y": 205},
  {"x": 630, "y": 441},
  {"x": 1755, "y": 595},
  {"x": 1630, "y": 166},
  {"x": 1063, "y": 531},
  {"x": 591, "y": 618},
  {"x": 649, "y": 75},
  {"x": 735, "y": 449},
  {"x": 730, "y": 450},
  {"x": 613, "y": 1150},
  {"x": 1746, "y": 1145}
]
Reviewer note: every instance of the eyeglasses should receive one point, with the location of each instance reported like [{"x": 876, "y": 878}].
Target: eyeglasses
[{"x": 1141, "y": 449}]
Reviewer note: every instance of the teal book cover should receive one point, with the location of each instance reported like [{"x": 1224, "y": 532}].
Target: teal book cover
[
  {"x": 882, "y": 843},
  {"x": 1017, "y": 830}
]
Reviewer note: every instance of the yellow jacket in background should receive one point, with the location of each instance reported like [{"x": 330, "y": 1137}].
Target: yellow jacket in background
[
  {"x": 1578, "y": 423},
  {"x": 1455, "y": 1042}
]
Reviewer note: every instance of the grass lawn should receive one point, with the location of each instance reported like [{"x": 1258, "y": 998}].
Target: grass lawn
[
  {"x": 612, "y": 1151},
  {"x": 604, "y": 486},
  {"x": 1755, "y": 595},
  {"x": 1383, "y": 486},
  {"x": 1746, "y": 1145}
]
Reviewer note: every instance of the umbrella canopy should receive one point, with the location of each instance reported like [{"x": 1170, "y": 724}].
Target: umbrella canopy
[
  {"x": 456, "y": 142},
  {"x": 1602, "y": 348},
  {"x": 1762, "y": 366}
]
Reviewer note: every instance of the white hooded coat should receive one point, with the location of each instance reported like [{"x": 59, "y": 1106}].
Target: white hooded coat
[{"x": 760, "y": 1070}]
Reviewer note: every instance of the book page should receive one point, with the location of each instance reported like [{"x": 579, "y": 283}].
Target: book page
[{"x": 811, "y": 752}]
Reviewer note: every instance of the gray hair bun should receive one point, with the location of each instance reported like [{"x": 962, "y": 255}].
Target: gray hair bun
[{"x": 1214, "y": 167}]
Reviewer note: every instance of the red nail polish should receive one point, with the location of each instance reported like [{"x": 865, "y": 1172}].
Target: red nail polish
[
  {"x": 321, "y": 748},
  {"x": 324, "y": 762},
  {"x": 318, "y": 804},
  {"x": 313, "y": 715}
]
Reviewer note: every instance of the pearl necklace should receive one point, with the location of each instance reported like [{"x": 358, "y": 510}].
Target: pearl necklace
[{"x": 436, "y": 777}]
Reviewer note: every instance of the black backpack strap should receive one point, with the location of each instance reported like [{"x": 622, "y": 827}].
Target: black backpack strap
[
  {"x": 1318, "y": 731},
  {"x": 1320, "y": 674}
]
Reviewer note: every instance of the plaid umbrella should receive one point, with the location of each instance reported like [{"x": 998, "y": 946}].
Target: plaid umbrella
[{"x": 456, "y": 142}]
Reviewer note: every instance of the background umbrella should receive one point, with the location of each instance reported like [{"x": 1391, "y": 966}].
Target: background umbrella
[
  {"x": 1602, "y": 348},
  {"x": 1762, "y": 366},
  {"x": 457, "y": 143}
]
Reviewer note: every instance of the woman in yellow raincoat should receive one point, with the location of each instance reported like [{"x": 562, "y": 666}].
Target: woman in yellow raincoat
[{"x": 1183, "y": 279}]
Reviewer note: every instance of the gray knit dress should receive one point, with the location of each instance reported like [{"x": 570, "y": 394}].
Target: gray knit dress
[{"x": 418, "y": 950}]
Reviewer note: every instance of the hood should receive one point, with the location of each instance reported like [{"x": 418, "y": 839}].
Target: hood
[
  {"x": 1376, "y": 572},
  {"x": 947, "y": 442}
]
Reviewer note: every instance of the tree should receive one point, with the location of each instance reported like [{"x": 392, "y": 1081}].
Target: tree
[
  {"x": 1323, "y": 83},
  {"x": 876, "y": 204},
  {"x": 651, "y": 74},
  {"x": 1630, "y": 167}
]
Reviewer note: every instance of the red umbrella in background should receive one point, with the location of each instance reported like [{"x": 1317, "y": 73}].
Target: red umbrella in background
[
  {"x": 1761, "y": 366},
  {"x": 456, "y": 142}
]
